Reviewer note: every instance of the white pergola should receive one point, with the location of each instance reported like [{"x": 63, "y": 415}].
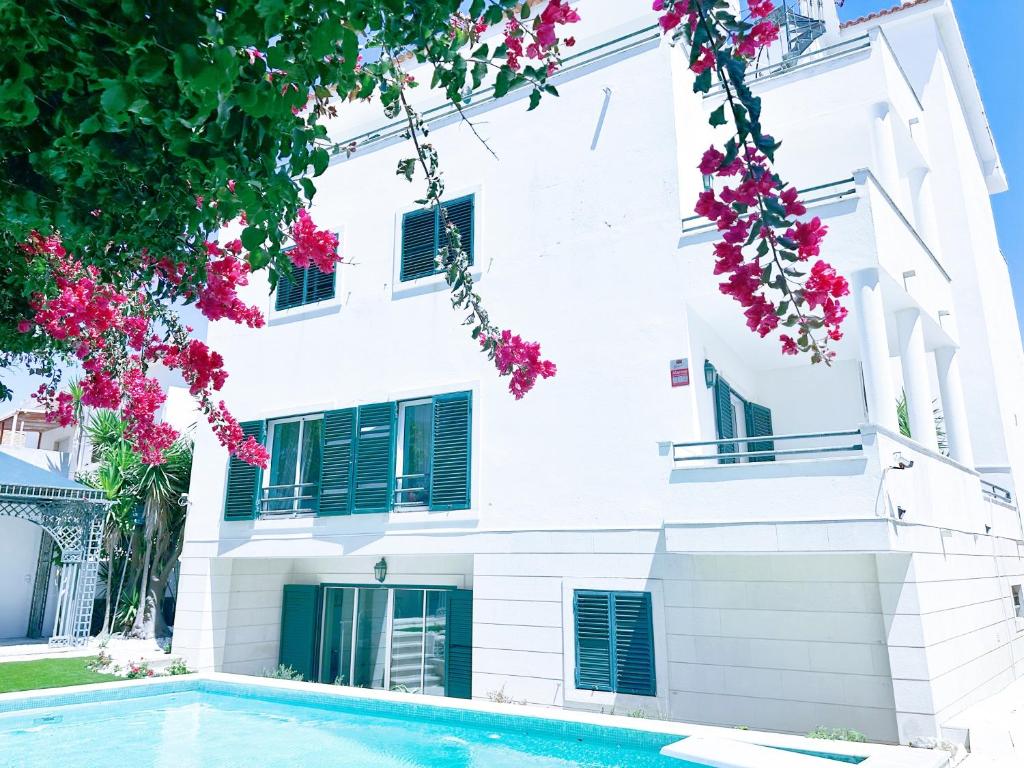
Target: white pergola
[{"x": 72, "y": 514}]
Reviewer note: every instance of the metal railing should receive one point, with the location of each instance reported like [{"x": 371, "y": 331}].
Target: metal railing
[
  {"x": 293, "y": 500},
  {"x": 411, "y": 496},
  {"x": 997, "y": 493},
  {"x": 805, "y": 59},
  {"x": 762, "y": 448},
  {"x": 820, "y": 193}
]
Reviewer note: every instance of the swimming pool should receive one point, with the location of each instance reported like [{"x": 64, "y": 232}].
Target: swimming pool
[{"x": 204, "y": 723}]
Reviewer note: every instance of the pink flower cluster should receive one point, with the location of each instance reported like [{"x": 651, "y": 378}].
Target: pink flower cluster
[
  {"x": 313, "y": 245},
  {"x": 226, "y": 271},
  {"x": 101, "y": 325},
  {"x": 521, "y": 360},
  {"x": 736, "y": 213},
  {"x": 544, "y": 46}
]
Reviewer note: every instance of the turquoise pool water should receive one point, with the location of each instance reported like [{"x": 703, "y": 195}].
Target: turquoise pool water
[{"x": 225, "y": 726}]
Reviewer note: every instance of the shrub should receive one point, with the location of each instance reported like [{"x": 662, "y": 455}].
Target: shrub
[
  {"x": 282, "y": 672},
  {"x": 500, "y": 697},
  {"x": 177, "y": 667},
  {"x": 836, "y": 734},
  {"x": 137, "y": 670}
]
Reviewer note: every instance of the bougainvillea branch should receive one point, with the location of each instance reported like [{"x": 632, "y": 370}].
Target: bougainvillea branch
[{"x": 764, "y": 245}]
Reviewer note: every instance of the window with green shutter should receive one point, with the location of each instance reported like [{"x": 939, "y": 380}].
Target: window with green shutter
[
  {"x": 338, "y": 471},
  {"x": 614, "y": 642},
  {"x": 459, "y": 665},
  {"x": 725, "y": 418},
  {"x": 423, "y": 235},
  {"x": 241, "y": 498},
  {"x": 375, "y": 458},
  {"x": 433, "y": 452},
  {"x": 759, "y": 423},
  {"x": 304, "y": 286}
]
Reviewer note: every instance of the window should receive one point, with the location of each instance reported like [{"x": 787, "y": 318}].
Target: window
[
  {"x": 304, "y": 286},
  {"x": 293, "y": 482},
  {"x": 412, "y": 478},
  {"x": 737, "y": 417},
  {"x": 1018, "y": 600},
  {"x": 423, "y": 236},
  {"x": 375, "y": 458},
  {"x": 614, "y": 642}
]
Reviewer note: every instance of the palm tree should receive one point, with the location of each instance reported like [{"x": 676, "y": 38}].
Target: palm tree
[{"x": 154, "y": 541}]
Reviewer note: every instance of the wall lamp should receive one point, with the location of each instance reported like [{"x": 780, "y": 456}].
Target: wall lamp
[
  {"x": 709, "y": 374},
  {"x": 380, "y": 570},
  {"x": 899, "y": 462}
]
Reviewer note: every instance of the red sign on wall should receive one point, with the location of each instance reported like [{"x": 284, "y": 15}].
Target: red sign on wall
[{"x": 680, "y": 370}]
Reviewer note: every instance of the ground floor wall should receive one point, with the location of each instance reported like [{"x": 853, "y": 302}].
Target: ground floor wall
[{"x": 888, "y": 644}]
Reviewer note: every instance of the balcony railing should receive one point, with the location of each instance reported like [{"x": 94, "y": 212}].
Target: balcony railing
[
  {"x": 997, "y": 494},
  {"x": 412, "y": 491},
  {"x": 737, "y": 450},
  {"x": 298, "y": 500}
]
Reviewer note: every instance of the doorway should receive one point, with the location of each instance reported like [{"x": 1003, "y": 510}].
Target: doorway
[{"x": 385, "y": 638}]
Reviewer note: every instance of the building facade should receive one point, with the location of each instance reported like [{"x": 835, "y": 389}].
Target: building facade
[{"x": 618, "y": 540}]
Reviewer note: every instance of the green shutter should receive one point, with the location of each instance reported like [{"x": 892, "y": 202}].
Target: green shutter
[
  {"x": 419, "y": 244},
  {"x": 242, "y": 497},
  {"x": 289, "y": 289},
  {"x": 300, "y": 608},
  {"x": 460, "y": 213},
  {"x": 759, "y": 422},
  {"x": 634, "y": 643},
  {"x": 450, "y": 459},
  {"x": 592, "y": 625},
  {"x": 336, "y": 472},
  {"x": 375, "y": 458},
  {"x": 725, "y": 418},
  {"x": 319, "y": 285},
  {"x": 459, "y": 682}
]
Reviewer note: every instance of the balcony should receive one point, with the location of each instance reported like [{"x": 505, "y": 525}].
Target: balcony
[{"x": 852, "y": 490}]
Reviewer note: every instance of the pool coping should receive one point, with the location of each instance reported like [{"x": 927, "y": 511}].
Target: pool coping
[{"x": 876, "y": 755}]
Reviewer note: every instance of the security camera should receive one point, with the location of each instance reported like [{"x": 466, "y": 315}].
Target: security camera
[{"x": 899, "y": 462}]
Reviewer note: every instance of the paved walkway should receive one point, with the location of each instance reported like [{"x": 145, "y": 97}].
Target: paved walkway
[
  {"x": 996, "y": 729},
  {"x": 121, "y": 650}
]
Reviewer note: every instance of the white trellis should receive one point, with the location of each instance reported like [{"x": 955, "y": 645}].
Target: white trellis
[{"x": 74, "y": 518}]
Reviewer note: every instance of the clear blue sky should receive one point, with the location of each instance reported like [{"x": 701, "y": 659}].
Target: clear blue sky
[{"x": 992, "y": 30}]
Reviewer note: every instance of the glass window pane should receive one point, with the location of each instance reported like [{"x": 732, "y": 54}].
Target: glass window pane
[
  {"x": 311, "y": 459},
  {"x": 416, "y": 433},
  {"x": 434, "y": 650},
  {"x": 407, "y": 641},
  {"x": 284, "y": 455},
  {"x": 371, "y": 639}
]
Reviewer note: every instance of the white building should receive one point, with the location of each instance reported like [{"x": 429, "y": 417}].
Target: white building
[{"x": 569, "y": 549}]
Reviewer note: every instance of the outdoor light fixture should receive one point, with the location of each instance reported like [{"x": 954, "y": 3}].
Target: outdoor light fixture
[
  {"x": 709, "y": 374},
  {"x": 380, "y": 570},
  {"x": 900, "y": 512},
  {"x": 898, "y": 462}
]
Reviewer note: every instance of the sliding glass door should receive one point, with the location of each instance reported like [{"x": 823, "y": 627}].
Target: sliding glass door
[{"x": 375, "y": 637}]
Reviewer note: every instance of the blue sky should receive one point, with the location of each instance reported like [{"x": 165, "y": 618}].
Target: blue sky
[{"x": 991, "y": 29}]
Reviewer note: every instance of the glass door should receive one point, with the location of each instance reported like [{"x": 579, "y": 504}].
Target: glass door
[
  {"x": 385, "y": 638},
  {"x": 336, "y": 638},
  {"x": 371, "y": 638}
]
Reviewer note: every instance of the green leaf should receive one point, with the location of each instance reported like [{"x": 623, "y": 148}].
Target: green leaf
[
  {"x": 320, "y": 160},
  {"x": 253, "y": 237},
  {"x": 308, "y": 188},
  {"x": 702, "y": 83},
  {"x": 114, "y": 98},
  {"x": 717, "y": 117},
  {"x": 534, "y": 99}
]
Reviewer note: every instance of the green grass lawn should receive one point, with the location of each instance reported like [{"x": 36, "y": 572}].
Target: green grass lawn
[{"x": 49, "y": 673}]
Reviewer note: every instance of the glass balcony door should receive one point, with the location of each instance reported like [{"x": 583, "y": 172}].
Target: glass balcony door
[{"x": 384, "y": 638}]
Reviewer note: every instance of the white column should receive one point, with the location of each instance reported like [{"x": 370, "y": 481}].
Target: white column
[
  {"x": 954, "y": 410},
  {"x": 869, "y": 315},
  {"x": 924, "y": 208},
  {"x": 886, "y": 163},
  {"x": 914, "y": 358}
]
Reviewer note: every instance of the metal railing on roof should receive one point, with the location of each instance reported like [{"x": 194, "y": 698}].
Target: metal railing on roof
[{"x": 759, "y": 448}]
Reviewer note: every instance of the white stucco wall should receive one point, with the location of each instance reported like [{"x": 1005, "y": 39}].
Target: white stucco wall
[{"x": 19, "y": 550}]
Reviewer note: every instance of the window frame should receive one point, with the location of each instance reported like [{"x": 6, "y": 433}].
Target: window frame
[
  {"x": 436, "y": 215},
  {"x": 613, "y": 630},
  {"x": 296, "y": 510}
]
